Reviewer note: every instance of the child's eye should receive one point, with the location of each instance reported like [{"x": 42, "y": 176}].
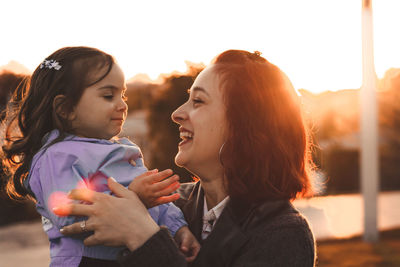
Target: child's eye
[{"x": 125, "y": 98}]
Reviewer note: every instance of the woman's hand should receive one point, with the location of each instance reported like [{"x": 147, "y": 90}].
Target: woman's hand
[
  {"x": 154, "y": 188},
  {"x": 115, "y": 220},
  {"x": 187, "y": 243}
]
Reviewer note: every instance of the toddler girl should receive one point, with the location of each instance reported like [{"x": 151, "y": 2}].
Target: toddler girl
[{"x": 73, "y": 107}]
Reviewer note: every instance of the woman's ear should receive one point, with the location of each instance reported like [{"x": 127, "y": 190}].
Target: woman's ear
[{"x": 59, "y": 107}]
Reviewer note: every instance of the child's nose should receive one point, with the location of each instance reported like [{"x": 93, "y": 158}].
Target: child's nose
[{"x": 122, "y": 106}]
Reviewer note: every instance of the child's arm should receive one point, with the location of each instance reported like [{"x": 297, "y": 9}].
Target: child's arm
[
  {"x": 50, "y": 182},
  {"x": 154, "y": 188},
  {"x": 172, "y": 217}
]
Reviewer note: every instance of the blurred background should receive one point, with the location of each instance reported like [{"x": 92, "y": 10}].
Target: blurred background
[{"x": 163, "y": 45}]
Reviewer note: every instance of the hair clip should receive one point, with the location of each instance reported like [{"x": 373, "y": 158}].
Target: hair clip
[
  {"x": 256, "y": 56},
  {"x": 50, "y": 64}
]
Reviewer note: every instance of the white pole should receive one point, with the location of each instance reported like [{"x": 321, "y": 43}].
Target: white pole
[{"x": 369, "y": 127}]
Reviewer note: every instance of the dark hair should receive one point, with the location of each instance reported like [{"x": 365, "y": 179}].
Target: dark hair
[
  {"x": 266, "y": 153},
  {"x": 81, "y": 67},
  {"x": 9, "y": 82}
]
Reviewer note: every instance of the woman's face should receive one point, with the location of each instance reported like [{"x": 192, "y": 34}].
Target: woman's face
[{"x": 202, "y": 125}]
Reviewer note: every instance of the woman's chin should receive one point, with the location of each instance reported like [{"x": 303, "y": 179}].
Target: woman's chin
[{"x": 180, "y": 160}]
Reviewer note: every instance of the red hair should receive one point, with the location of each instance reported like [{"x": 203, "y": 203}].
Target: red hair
[{"x": 266, "y": 153}]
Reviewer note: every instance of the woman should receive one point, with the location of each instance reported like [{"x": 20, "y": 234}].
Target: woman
[{"x": 244, "y": 137}]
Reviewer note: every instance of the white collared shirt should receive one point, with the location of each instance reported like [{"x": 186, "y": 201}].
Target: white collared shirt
[{"x": 211, "y": 216}]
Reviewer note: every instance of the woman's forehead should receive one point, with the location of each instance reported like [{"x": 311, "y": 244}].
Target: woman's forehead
[{"x": 208, "y": 80}]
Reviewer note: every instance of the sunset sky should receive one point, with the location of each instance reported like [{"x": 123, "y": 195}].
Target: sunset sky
[{"x": 316, "y": 42}]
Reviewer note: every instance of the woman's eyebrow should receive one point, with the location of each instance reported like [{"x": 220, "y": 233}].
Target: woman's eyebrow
[{"x": 200, "y": 89}]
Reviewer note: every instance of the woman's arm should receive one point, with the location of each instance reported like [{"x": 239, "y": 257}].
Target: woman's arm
[
  {"x": 159, "y": 250},
  {"x": 121, "y": 220}
]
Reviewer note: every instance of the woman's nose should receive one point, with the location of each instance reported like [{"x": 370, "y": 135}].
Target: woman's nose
[{"x": 179, "y": 114}]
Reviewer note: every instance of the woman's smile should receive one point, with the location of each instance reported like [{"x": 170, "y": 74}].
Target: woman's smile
[{"x": 185, "y": 135}]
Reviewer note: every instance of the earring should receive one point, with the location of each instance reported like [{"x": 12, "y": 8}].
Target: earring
[{"x": 220, "y": 152}]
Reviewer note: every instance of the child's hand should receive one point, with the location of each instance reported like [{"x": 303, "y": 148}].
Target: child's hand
[
  {"x": 187, "y": 243},
  {"x": 154, "y": 188}
]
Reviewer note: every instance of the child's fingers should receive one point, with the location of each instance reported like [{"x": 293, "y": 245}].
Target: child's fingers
[
  {"x": 191, "y": 258},
  {"x": 192, "y": 254},
  {"x": 185, "y": 244},
  {"x": 159, "y": 186},
  {"x": 195, "y": 249},
  {"x": 148, "y": 173},
  {"x": 141, "y": 180},
  {"x": 155, "y": 178},
  {"x": 166, "y": 199},
  {"x": 184, "y": 249},
  {"x": 166, "y": 190}
]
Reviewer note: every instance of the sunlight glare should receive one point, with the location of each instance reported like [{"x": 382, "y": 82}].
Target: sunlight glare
[{"x": 316, "y": 43}]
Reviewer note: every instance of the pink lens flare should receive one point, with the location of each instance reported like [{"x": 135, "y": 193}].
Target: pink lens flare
[
  {"x": 58, "y": 199},
  {"x": 95, "y": 181}
]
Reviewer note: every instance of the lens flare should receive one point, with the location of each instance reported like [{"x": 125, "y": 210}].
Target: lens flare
[{"x": 60, "y": 200}]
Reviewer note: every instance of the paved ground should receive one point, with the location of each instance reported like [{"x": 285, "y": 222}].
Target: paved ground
[
  {"x": 356, "y": 253},
  {"x": 24, "y": 245}
]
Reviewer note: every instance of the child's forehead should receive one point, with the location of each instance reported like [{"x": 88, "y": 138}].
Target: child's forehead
[
  {"x": 97, "y": 74},
  {"x": 113, "y": 80}
]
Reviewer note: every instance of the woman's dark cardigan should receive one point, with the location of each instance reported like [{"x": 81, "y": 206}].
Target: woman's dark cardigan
[{"x": 271, "y": 233}]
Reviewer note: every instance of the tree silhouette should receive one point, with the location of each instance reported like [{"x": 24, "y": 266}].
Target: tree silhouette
[{"x": 389, "y": 127}]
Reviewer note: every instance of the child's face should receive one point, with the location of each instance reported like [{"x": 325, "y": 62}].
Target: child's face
[{"x": 101, "y": 111}]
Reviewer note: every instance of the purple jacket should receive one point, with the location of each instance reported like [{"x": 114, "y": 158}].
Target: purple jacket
[{"x": 76, "y": 162}]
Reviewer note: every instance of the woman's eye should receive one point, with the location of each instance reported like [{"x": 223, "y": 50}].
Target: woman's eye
[
  {"x": 197, "y": 101},
  {"x": 108, "y": 97}
]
